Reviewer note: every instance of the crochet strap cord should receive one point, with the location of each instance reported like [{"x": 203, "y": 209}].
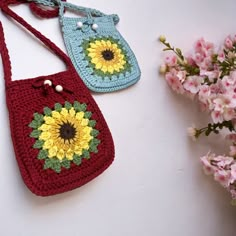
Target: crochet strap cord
[
  {"x": 99, "y": 53},
  {"x": 60, "y": 137},
  {"x": 37, "y": 34},
  {"x": 5, "y": 57},
  {"x": 62, "y": 6}
]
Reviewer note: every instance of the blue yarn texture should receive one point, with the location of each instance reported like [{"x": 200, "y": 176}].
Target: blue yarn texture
[{"x": 99, "y": 53}]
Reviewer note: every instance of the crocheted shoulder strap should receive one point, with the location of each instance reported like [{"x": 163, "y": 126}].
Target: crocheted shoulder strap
[
  {"x": 63, "y": 5},
  {"x": 37, "y": 34},
  {"x": 5, "y": 57}
]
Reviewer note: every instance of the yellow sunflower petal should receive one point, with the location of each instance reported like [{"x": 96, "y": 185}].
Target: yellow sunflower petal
[
  {"x": 109, "y": 43},
  {"x": 44, "y": 127},
  {"x": 78, "y": 150},
  {"x": 111, "y": 69},
  {"x": 84, "y": 122},
  {"x": 79, "y": 115},
  {"x": 64, "y": 112},
  {"x": 98, "y": 65},
  {"x": 49, "y": 120},
  {"x": 52, "y": 152},
  {"x": 92, "y": 54},
  {"x": 60, "y": 154},
  {"x": 84, "y": 144},
  {"x": 95, "y": 60},
  {"x": 48, "y": 144},
  {"x": 87, "y": 130},
  {"x": 104, "y": 68},
  {"x": 91, "y": 49},
  {"x": 114, "y": 46},
  {"x": 93, "y": 45},
  {"x": 72, "y": 112},
  {"x": 45, "y": 135},
  {"x": 69, "y": 154},
  {"x": 98, "y": 42},
  {"x": 56, "y": 114}
]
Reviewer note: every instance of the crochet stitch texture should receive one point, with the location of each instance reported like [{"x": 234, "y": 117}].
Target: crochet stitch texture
[
  {"x": 60, "y": 137},
  {"x": 89, "y": 40}
]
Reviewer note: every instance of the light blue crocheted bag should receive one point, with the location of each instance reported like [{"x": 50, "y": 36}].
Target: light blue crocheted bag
[{"x": 100, "y": 54}]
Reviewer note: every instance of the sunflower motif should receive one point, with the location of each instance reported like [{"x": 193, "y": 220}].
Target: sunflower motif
[
  {"x": 64, "y": 135},
  {"x": 106, "y": 56}
]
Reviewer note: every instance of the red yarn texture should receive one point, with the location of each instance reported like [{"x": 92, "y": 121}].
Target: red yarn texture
[
  {"x": 44, "y": 13},
  {"x": 23, "y": 100}
]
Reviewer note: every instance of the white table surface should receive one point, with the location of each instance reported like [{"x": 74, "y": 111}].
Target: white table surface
[{"x": 156, "y": 185}]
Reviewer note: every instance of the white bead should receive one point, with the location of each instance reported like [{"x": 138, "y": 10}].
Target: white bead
[
  {"x": 80, "y": 24},
  {"x": 59, "y": 88},
  {"x": 48, "y": 82},
  {"x": 94, "y": 26}
]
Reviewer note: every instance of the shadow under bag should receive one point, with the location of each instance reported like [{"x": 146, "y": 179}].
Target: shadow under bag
[
  {"x": 60, "y": 137},
  {"x": 99, "y": 53}
]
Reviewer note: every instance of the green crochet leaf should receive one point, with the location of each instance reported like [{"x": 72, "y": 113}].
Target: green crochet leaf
[
  {"x": 65, "y": 163},
  {"x": 38, "y": 144},
  {"x": 58, "y": 107},
  {"x": 93, "y": 148},
  {"x": 82, "y": 107},
  {"x": 35, "y": 133},
  {"x": 93, "y": 145},
  {"x": 77, "y": 160},
  {"x": 68, "y": 105},
  {"x": 86, "y": 154},
  {"x": 53, "y": 164},
  {"x": 48, "y": 164},
  {"x": 76, "y": 106},
  {"x": 87, "y": 114},
  {"x": 43, "y": 154},
  {"x": 92, "y": 123},
  {"x": 47, "y": 111},
  {"x": 38, "y": 117},
  {"x": 56, "y": 166},
  {"x": 35, "y": 124},
  {"x": 94, "y": 133}
]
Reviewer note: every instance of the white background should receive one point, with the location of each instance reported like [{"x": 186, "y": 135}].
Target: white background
[{"x": 155, "y": 185}]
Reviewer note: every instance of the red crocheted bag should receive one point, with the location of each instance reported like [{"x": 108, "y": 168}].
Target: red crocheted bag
[{"x": 60, "y": 137}]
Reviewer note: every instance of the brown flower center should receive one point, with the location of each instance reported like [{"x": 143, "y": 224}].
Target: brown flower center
[
  {"x": 67, "y": 131},
  {"x": 108, "y": 55}
]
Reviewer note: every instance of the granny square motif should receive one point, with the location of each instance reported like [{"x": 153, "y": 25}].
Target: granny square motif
[
  {"x": 60, "y": 137},
  {"x": 99, "y": 53}
]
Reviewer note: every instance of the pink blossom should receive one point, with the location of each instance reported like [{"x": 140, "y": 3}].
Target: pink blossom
[
  {"x": 221, "y": 56},
  {"x": 233, "y": 173},
  {"x": 231, "y": 137},
  {"x": 193, "y": 84},
  {"x": 217, "y": 117},
  {"x": 223, "y": 161},
  {"x": 171, "y": 60},
  {"x": 223, "y": 108},
  {"x": 181, "y": 75},
  {"x": 207, "y": 167},
  {"x": 228, "y": 42},
  {"x": 229, "y": 114},
  {"x": 190, "y": 61},
  {"x": 223, "y": 177},
  {"x": 211, "y": 75},
  {"x": 229, "y": 82},
  {"x": 174, "y": 82},
  {"x": 204, "y": 93},
  {"x": 203, "y": 47}
]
